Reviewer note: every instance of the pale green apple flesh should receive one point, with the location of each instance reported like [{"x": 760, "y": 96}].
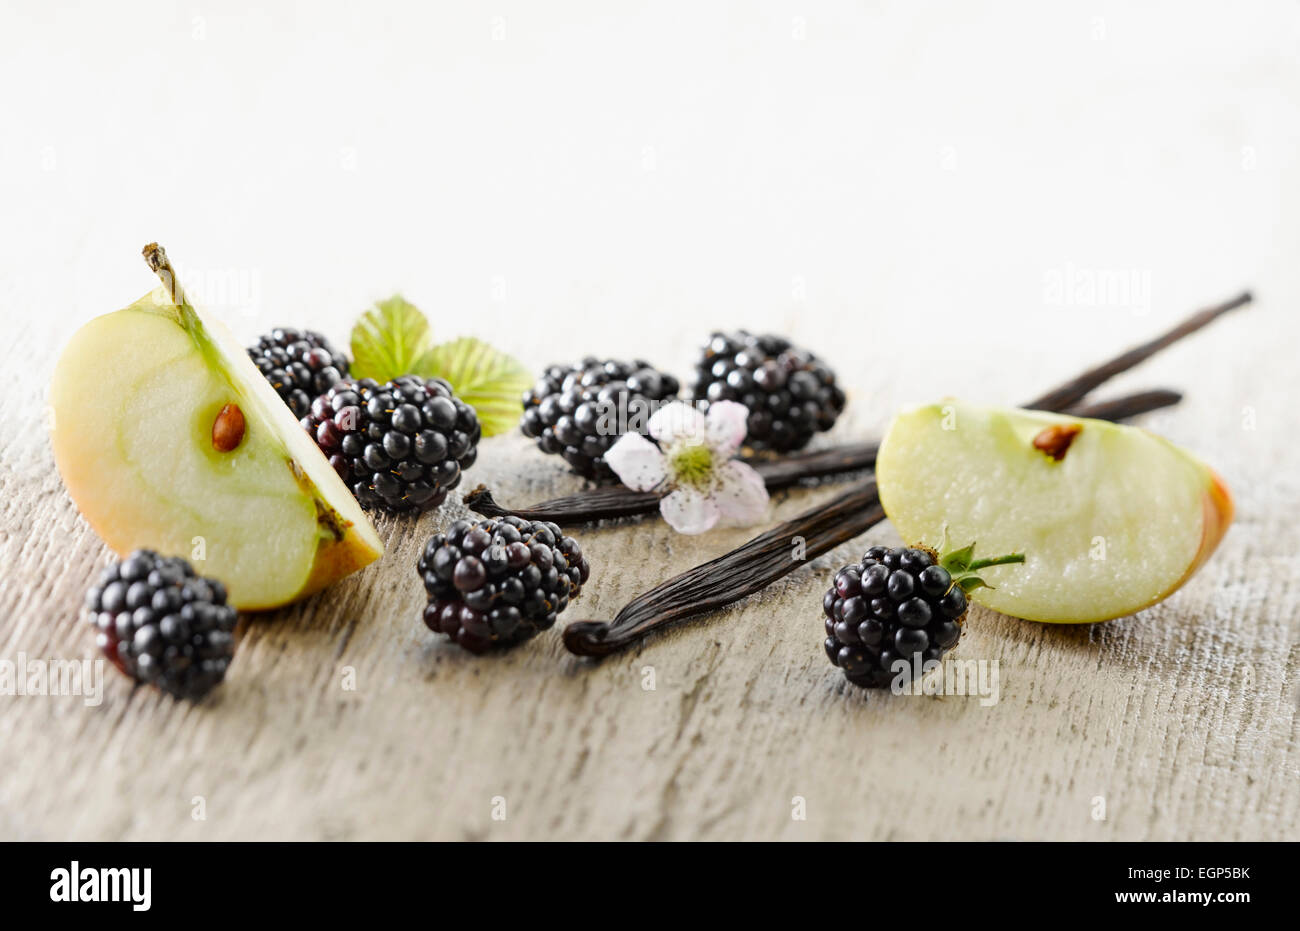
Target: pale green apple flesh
[
  {"x": 135, "y": 397},
  {"x": 1111, "y": 518}
]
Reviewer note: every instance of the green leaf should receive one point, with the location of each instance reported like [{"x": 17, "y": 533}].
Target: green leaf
[
  {"x": 969, "y": 583},
  {"x": 391, "y": 340},
  {"x": 958, "y": 561},
  {"x": 394, "y": 339},
  {"x": 489, "y": 381}
]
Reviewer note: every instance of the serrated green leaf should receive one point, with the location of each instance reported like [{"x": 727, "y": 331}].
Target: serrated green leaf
[
  {"x": 391, "y": 340},
  {"x": 488, "y": 380},
  {"x": 394, "y": 339}
]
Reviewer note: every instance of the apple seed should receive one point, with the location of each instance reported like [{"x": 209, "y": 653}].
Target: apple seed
[
  {"x": 1055, "y": 440},
  {"x": 228, "y": 429}
]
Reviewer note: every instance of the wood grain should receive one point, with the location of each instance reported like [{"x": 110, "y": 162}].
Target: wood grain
[{"x": 1155, "y": 712}]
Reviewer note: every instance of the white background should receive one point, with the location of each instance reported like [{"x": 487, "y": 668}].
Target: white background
[{"x": 566, "y": 178}]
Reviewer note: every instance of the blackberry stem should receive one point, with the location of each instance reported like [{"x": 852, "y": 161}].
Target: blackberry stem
[
  {"x": 965, "y": 570},
  {"x": 996, "y": 561}
]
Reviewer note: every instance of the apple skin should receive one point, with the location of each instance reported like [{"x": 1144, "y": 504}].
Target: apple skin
[
  {"x": 911, "y": 431},
  {"x": 1219, "y": 511},
  {"x": 304, "y": 530}
]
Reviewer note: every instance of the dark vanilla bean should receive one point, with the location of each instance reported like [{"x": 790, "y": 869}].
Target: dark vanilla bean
[
  {"x": 1074, "y": 390},
  {"x": 730, "y": 577},
  {"x": 583, "y": 507},
  {"x": 772, "y": 555},
  {"x": 615, "y": 501},
  {"x": 611, "y": 501},
  {"x": 1128, "y": 405}
]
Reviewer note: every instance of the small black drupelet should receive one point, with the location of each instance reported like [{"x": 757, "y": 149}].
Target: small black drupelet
[
  {"x": 896, "y": 604},
  {"x": 301, "y": 365},
  {"x": 790, "y": 393},
  {"x": 496, "y": 582},
  {"x": 400, "y": 446},
  {"x": 163, "y": 625},
  {"x": 579, "y": 411}
]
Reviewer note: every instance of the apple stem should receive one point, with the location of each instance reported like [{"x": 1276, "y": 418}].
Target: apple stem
[{"x": 156, "y": 256}]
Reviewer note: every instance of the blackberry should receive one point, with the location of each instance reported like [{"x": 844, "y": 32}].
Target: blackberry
[
  {"x": 400, "y": 446},
  {"x": 578, "y": 411},
  {"x": 162, "y": 624},
  {"x": 299, "y": 364},
  {"x": 496, "y": 582},
  {"x": 790, "y": 393},
  {"x": 898, "y": 604}
]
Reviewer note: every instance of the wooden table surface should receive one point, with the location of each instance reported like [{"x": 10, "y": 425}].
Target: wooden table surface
[{"x": 940, "y": 202}]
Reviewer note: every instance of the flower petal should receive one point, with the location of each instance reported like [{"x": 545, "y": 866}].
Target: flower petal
[
  {"x": 740, "y": 494},
  {"x": 637, "y": 462},
  {"x": 676, "y": 421},
  {"x": 689, "y": 511},
  {"x": 727, "y": 423}
]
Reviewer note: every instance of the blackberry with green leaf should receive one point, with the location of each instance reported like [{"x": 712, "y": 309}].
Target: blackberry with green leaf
[
  {"x": 400, "y": 446},
  {"x": 579, "y": 411},
  {"x": 905, "y": 604},
  {"x": 790, "y": 393},
  {"x": 496, "y": 582},
  {"x": 162, "y": 624},
  {"x": 300, "y": 365}
]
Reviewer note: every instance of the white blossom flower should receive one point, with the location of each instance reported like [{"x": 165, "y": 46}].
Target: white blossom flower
[{"x": 693, "y": 463}]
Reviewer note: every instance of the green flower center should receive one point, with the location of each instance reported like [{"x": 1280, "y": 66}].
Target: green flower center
[{"x": 693, "y": 465}]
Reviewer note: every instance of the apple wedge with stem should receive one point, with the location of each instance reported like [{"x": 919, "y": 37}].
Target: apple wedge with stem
[
  {"x": 1111, "y": 518},
  {"x": 168, "y": 438}
]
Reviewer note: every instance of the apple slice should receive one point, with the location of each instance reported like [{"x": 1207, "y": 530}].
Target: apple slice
[
  {"x": 1111, "y": 519},
  {"x": 168, "y": 438}
]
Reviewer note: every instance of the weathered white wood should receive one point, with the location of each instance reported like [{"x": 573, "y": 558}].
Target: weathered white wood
[{"x": 572, "y": 207}]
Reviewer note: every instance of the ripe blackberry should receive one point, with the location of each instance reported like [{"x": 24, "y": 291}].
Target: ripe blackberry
[
  {"x": 790, "y": 393},
  {"x": 299, "y": 364},
  {"x": 578, "y": 411},
  {"x": 898, "y": 604},
  {"x": 399, "y": 446},
  {"x": 493, "y": 583},
  {"x": 163, "y": 625}
]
